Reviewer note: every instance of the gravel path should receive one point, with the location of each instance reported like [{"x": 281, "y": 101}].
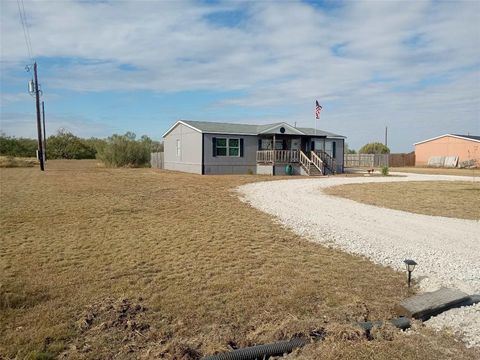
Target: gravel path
[{"x": 447, "y": 250}]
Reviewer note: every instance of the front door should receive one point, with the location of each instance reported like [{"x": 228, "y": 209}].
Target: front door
[
  {"x": 329, "y": 148},
  {"x": 295, "y": 144},
  {"x": 319, "y": 144}
]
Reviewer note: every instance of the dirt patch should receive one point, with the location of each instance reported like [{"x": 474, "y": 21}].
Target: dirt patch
[{"x": 121, "y": 328}]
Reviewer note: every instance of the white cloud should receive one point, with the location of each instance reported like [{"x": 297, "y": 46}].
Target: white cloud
[
  {"x": 281, "y": 54},
  {"x": 24, "y": 125}
]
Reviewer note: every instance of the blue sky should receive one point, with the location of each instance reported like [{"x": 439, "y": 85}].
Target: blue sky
[{"x": 115, "y": 66}]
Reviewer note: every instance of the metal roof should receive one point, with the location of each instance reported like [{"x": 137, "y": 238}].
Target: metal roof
[
  {"x": 473, "y": 137},
  {"x": 218, "y": 127},
  {"x": 466, "y": 137},
  {"x": 246, "y": 129}
]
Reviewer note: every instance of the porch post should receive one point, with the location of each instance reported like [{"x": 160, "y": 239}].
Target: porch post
[{"x": 273, "y": 160}]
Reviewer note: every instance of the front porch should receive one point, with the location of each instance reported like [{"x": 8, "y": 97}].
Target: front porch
[{"x": 315, "y": 163}]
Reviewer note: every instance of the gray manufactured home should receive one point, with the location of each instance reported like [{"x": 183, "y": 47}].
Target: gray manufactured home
[{"x": 275, "y": 149}]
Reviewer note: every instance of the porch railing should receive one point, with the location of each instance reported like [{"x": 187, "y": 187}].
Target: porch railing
[
  {"x": 278, "y": 156},
  {"x": 328, "y": 160},
  {"x": 317, "y": 161},
  {"x": 305, "y": 162}
]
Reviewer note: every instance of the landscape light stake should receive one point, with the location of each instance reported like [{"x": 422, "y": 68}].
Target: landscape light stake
[{"x": 410, "y": 266}]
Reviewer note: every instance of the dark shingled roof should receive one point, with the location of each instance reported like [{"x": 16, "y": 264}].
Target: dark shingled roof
[{"x": 232, "y": 128}]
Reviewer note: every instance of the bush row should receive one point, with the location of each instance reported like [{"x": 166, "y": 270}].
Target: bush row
[{"x": 115, "y": 151}]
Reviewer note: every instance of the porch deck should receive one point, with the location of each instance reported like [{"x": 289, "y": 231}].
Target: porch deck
[
  {"x": 278, "y": 156},
  {"x": 317, "y": 160}
]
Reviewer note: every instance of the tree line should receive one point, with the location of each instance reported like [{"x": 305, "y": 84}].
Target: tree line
[
  {"x": 370, "y": 148},
  {"x": 115, "y": 151}
]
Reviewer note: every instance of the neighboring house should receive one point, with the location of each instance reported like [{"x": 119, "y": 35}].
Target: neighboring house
[
  {"x": 465, "y": 147},
  {"x": 224, "y": 148}
]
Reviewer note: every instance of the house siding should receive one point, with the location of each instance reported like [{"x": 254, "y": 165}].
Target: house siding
[
  {"x": 326, "y": 144},
  {"x": 339, "y": 156},
  {"x": 190, "y": 159},
  {"x": 229, "y": 164},
  {"x": 447, "y": 146}
]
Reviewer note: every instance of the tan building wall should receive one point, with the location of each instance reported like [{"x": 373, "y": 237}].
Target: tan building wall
[{"x": 447, "y": 146}]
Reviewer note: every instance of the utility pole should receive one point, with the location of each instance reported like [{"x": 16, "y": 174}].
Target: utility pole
[
  {"x": 386, "y": 136},
  {"x": 44, "y": 133},
  {"x": 39, "y": 125}
]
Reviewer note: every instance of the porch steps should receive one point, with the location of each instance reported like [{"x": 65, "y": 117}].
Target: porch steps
[
  {"x": 329, "y": 161},
  {"x": 314, "y": 171}
]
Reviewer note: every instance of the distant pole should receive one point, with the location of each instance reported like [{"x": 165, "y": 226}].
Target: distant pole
[
  {"x": 39, "y": 121},
  {"x": 386, "y": 136},
  {"x": 44, "y": 133}
]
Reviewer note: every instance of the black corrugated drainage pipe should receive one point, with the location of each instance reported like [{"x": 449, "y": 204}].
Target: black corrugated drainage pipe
[
  {"x": 261, "y": 351},
  {"x": 284, "y": 347}
]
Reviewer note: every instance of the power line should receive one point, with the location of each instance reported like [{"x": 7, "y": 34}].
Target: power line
[
  {"x": 28, "y": 28},
  {"x": 26, "y": 32}
]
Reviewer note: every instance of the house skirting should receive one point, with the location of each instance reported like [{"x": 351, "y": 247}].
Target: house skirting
[
  {"x": 280, "y": 169},
  {"x": 229, "y": 169}
]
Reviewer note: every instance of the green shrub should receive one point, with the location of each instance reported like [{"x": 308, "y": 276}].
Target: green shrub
[
  {"x": 385, "y": 170},
  {"x": 19, "y": 147},
  {"x": 374, "y": 148},
  {"x": 126, "y": 151},
  {"x": 65, "y": 145}
]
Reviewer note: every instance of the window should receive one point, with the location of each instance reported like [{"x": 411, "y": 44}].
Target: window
[
  {"x": 266, "y": 144},
  {"x": 179, "y": 148},
  {"x": 233, "y": 147},
  {"x": 221, "y": 147},
  {"x": 228, "y": 147}
]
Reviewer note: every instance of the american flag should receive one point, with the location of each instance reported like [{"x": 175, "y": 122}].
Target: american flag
[{"x": 318, "y": 107}]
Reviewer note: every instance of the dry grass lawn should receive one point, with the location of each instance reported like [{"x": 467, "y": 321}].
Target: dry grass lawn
[
  {"x": 437, "y": 171},
  {"x": 459, "y": 199},
  {"x": 12, "y": 162},
  {"x": 141, "y": 263}
]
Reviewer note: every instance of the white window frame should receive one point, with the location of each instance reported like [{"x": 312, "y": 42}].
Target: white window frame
[{"x": 227, "y": 147}]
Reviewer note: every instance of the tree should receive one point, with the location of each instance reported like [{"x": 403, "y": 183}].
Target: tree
[
  {"x": 125, "y": 150},
  {"x": 374, "y": 148},
  {"x": 65, "y": 145},
  {"x": 348, "y": 150},
  {"x": 19, "y": 147}
]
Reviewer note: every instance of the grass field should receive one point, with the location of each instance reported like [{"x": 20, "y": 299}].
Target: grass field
[
  {"x": 141, "y": 263},
  {"x": 12, "y": 162},
  {"x": 459, "y": 199},
  {"x": 437, "y": 171}
]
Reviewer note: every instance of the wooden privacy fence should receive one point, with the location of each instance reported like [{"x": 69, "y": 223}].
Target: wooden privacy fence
[
  {"x": 156, "y": 160},
  {"x": 377, "y": 160},
  {"x": 401, "y": 160},
  {"x": 365, "y": 160}
]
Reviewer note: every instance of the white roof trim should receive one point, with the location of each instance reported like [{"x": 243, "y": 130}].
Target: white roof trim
[
  {"x": 285, "y": 125},
  {"x": 438, "y": 137},
  {"x": 183, "y": 123}
]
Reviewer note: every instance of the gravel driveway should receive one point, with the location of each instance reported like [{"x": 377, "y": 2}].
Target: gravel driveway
[{"x": 447, "y": 250}]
